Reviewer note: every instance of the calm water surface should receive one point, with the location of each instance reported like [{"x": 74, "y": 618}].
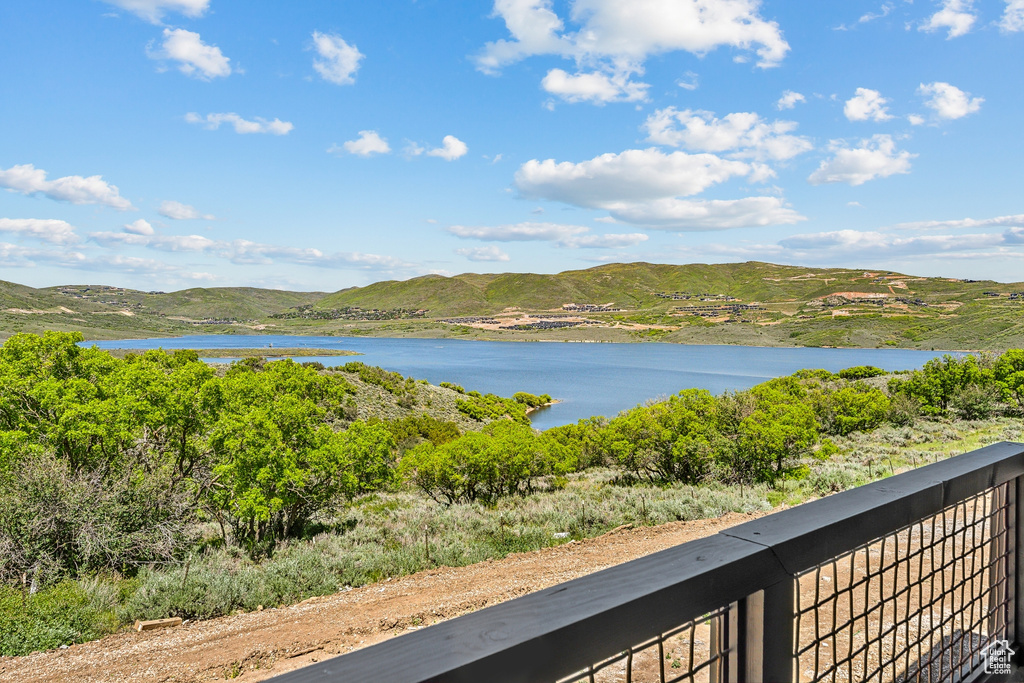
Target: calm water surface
[{"x": 588, "y": 379}]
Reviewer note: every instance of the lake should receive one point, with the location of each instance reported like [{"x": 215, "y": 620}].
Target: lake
[{"x": 587, "y": 379}]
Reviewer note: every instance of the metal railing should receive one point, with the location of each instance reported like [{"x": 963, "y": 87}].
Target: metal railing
[{"x": 911, "y": 578}]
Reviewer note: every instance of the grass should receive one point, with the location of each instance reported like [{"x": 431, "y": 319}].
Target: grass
[
  {"x": 398, "y": 533},
  {"x": 938, "y": 313}
]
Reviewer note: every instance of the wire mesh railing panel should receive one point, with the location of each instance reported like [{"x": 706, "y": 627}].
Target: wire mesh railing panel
[
  {"x": 695, "y": 652},
  {"x": 920, "y": 604}
]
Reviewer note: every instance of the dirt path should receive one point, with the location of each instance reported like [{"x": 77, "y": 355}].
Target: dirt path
[{"x": 257, "y": 645}]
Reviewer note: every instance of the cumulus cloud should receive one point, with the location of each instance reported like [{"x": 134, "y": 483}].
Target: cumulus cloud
[
  {"x": 181, "y": 212},
  {"x": 490, "y": 253},
  {"x": 367, "y": 144},
  {"x": 568, "y": 236},
  {"x": 948, "y": 101},
  {"x": 153, "y": 10},
  {"x": 876, "y": 157},
  {"x": 614, "y": 39},
  {"x": 631, "y": 176},
  {"x": 45, "y": 229},
  {"x": 243, "y": 126},
  {"x": 687, "y": 215},
  {"x": 1013, "y": 16},
  {"x": 246, "y": 252},
  {"x": 339, "y": 61},
  {"x": 1014, "y": 221},
  {"x": 866, "y": 105},
  {"x": 646, "y": 186},
  {"x": 742, "y": 134},
  {"x": 519, "y": 232},
  {"x": 789, "y": 100},
  {"x": 956, "y": 16},
  {"x": 879, "y": 244},
  {"x": 27, "y": 179},
  {"x": 596, "y": 87},
  {"x": 140, "y": 227},
  {"x": 451, "y": 149},
  {"x": 18, "y": 256},
  {"x": 195, "y": 58}
]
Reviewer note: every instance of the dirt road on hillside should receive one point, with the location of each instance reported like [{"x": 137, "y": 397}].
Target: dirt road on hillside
[{"x": 258, "y": 645}]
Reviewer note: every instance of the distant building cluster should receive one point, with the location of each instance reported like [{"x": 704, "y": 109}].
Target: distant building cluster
[
  {"x": 306, "y": 311},
  {"x": 550, "y": 324},
  {"x": 686, "y": 296},
  {"x": 101, "y": 294},
  {"x": 591, "y": 308},
  {"x": 879, "y": 300},
  {"x": 471, "y": 320},
  {"x": 716, "y": 311}
]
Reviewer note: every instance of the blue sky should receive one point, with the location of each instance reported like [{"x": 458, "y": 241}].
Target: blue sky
[{"x": 163, "y": 144}]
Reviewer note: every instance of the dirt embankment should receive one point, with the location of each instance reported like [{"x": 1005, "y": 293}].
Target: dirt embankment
[{"x": 258, "y": 645}]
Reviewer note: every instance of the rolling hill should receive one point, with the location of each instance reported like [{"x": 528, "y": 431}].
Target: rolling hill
[{"x": 739, "y": 303}]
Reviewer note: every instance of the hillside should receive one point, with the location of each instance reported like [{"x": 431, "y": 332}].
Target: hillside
[{"x": 739, "y": 303}]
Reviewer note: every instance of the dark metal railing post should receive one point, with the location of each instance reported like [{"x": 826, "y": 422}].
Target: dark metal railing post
[
  {"x": 1002, "y": 526},
  {"x": 1016, "y": 561},
  {"x": 779, "y": 634}
]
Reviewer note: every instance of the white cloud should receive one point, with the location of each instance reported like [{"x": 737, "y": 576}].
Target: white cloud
[
  {"x": 596, "y": 87},
  {"x": 140, "y": 227},
  {"x": 338, "y": 61},
  {"x": 568, "y": 236},
  {"x": 789, "y": 100},
  {"x": 153, "y": 10},
  {"x": 866, "y": 104},
  {"x": 451, "y": 149},
  {"x": 367, "y": 144},
  {"x": 17, "y": 256},
  {"x": 684, "y": 215},
  {"x": 878, "y": 244},
  {"x": 916, "y": 120},
  {"x": 1013, "y": 16},
  {"x": 181, "y": 212},
  {"x": 27, "y": 179},
  {"x": 617, "y": 38},
  {"x": 635, "y": 175},
  {"x": 955, "y": 15},
  {"x": 876, "y": 157},
  {"x": 880, "y": 14},
  {"x": 645, "y": 187},
  {"x": 243, "y": 126},
  {"x": 519, "y": 232},
  {"x": 169, "y": 243},
  {"x": 45, "y": 229},
  {"x": 490, "y": 253},
  {"x": 691, "y": 82},
  {"x": 607, "y": 241},
  {"x": 245, "y": 252},
  {"x": 195, "y": 57},
  {"x": 1011, "y": 221},
  {"x": 948, "y": 101},
  {"x": 744, "y": 134}
]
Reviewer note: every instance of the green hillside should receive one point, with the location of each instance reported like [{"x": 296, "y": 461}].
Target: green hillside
[
  {"x": 750, "y": 303},
  {"x": 636, "y": 286}
]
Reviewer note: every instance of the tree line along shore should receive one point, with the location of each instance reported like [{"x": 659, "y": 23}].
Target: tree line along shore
[{"x": 156, "y": 485}]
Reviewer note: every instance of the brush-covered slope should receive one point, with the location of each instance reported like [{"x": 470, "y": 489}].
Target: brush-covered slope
[{"x": 637, "y": 285}]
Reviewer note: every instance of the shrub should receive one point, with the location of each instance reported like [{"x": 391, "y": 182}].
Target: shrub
[
  {"x": 60, "y": 615},
  {"x": 861, "y": 372}
]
